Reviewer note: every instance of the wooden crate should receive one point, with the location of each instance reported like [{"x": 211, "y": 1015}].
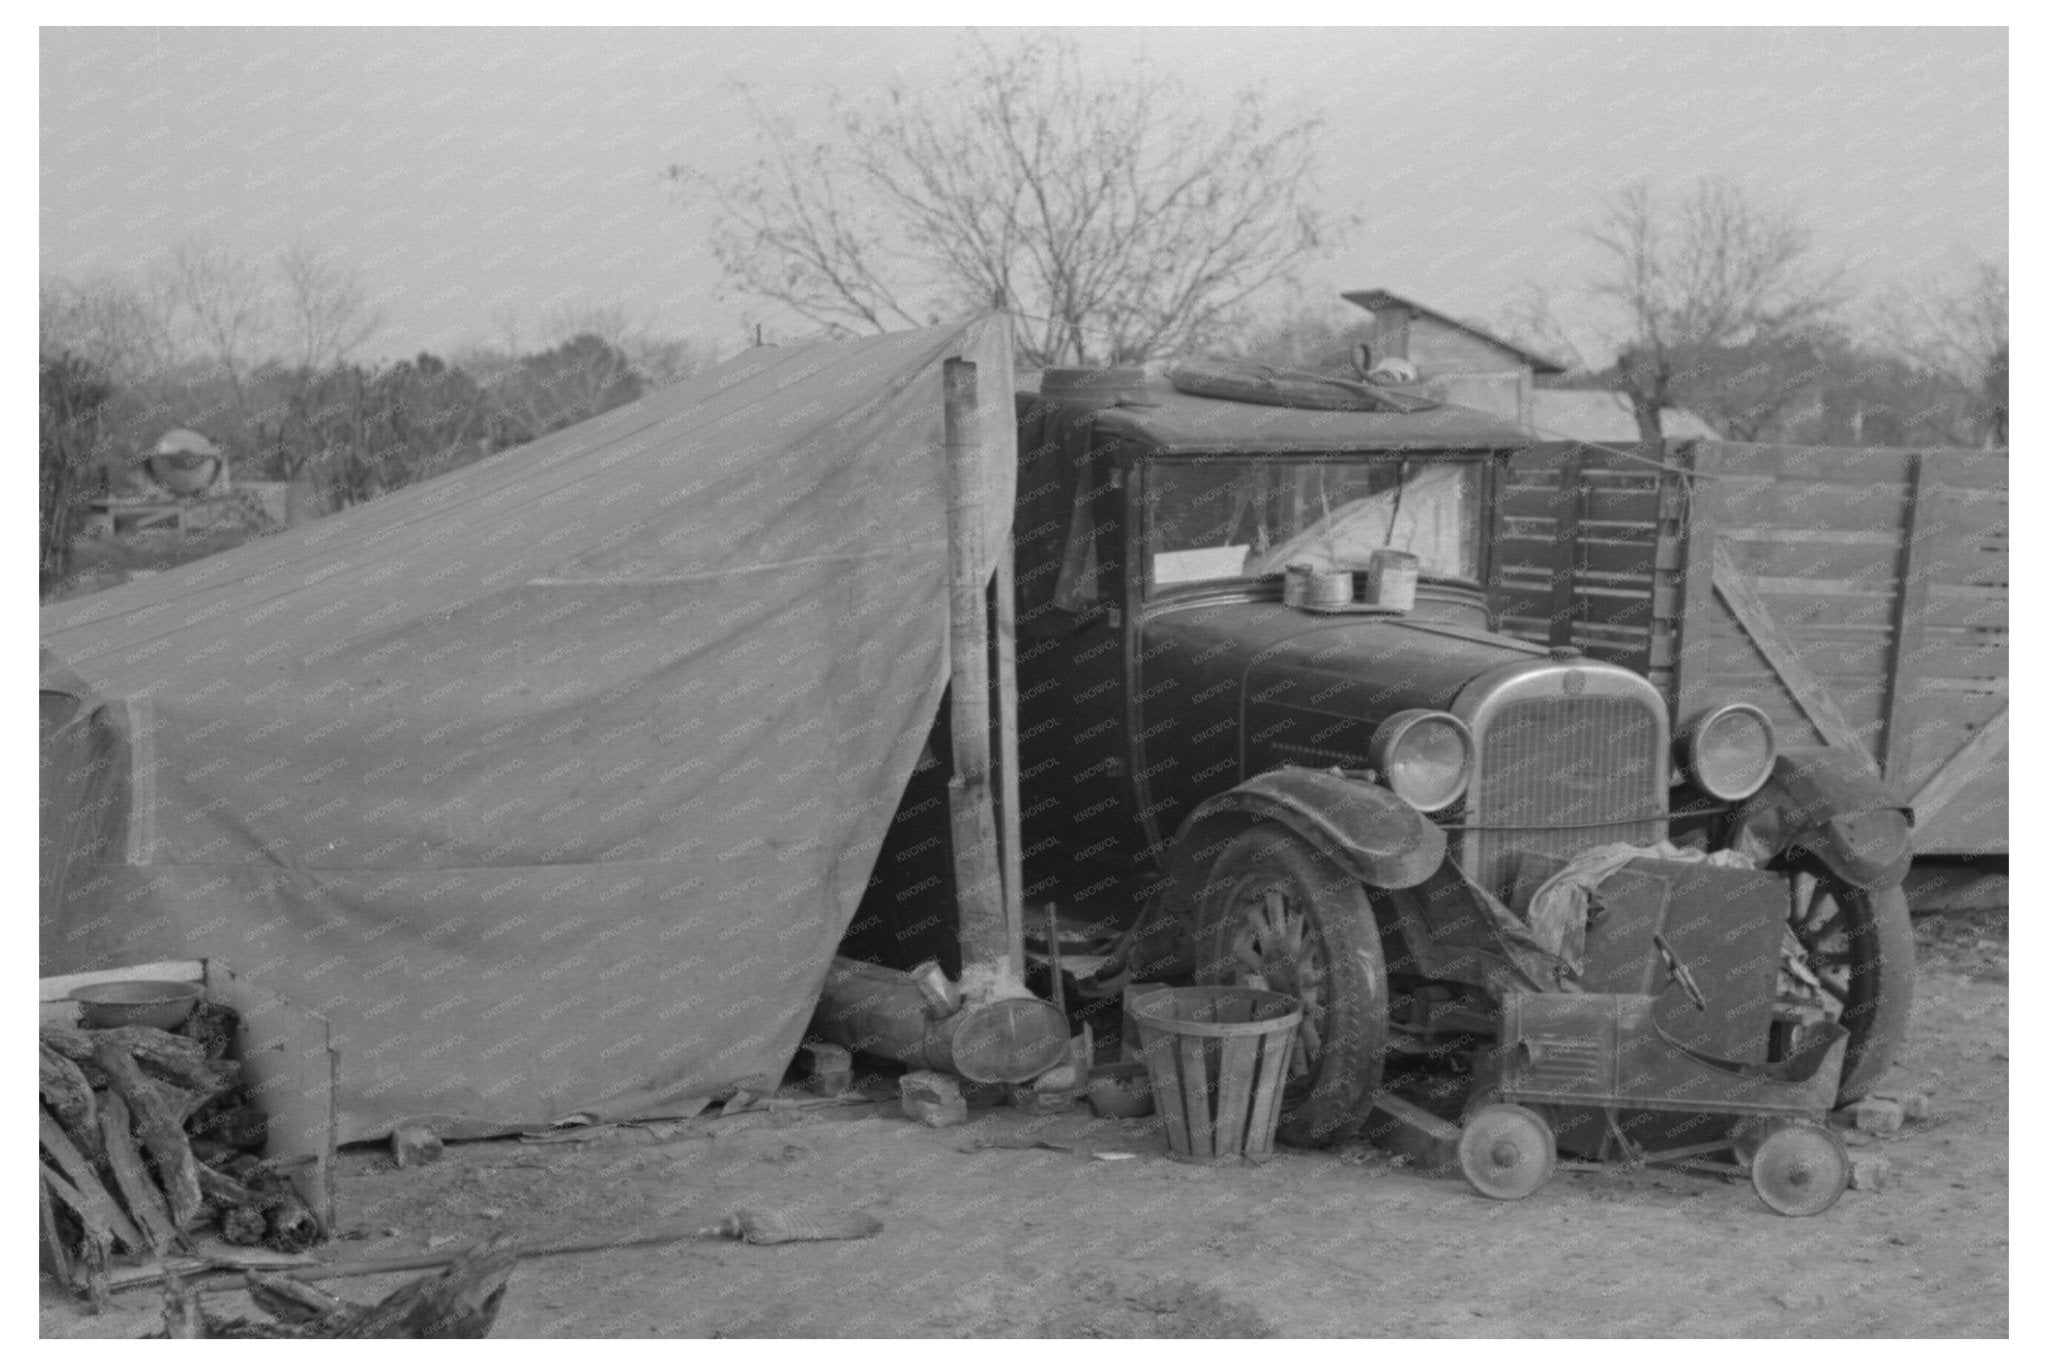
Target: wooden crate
[{"x": 1857, "y": 596}]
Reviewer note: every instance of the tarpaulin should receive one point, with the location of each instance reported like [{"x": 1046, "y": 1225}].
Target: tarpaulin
[{"x": 551, "y": 782}]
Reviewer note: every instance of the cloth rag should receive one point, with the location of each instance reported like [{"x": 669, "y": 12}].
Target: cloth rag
[{"x": 1557, "y": 912}]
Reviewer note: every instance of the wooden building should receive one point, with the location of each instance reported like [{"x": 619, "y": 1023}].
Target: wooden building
[{"x": 1476, "y": 368}]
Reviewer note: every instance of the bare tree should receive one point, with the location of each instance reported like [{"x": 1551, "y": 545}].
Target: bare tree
[
  {"x": 1964, "y": 337},
  {"x": 74, "y": 393},
  {"x": 221, "y": 302},
  {"x": 1530, "y": 320},
  {"x": 1113, "y": 224},
  {"x": 325, "y": 308},
  {"x": 665, "y": 360},
  {"x": 636, "y": 345},
  {"x": 1698, "y": 286},
  {"x": 123, "y": 330},
  {"x": 1308, "y": 338}
]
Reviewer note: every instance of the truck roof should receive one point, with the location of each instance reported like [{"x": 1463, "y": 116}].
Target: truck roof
[{"x": 1179, "y": 423}]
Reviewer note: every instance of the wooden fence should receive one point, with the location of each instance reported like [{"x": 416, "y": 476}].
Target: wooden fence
[{"x": 1857, "y": 596}]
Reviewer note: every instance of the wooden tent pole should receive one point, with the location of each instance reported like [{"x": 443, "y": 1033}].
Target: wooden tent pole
[
  {"x": 1006, "y": 710},
  {"x": 987, "y": 969}
]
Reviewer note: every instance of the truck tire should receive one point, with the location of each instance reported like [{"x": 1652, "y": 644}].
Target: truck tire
[
  {"x": 1860, "y": 944},
  {"x": 1275, "y": 909}
]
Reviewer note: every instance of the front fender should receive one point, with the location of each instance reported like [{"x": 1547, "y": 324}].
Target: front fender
[
  {"x": 1824, "y": 802},
  {"x": 1366, "y": 830}
]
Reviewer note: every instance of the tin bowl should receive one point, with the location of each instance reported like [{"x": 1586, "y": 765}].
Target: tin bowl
[
  {"x": 1121, "y": 1090},
  {"x": 151, "y": 1004}
]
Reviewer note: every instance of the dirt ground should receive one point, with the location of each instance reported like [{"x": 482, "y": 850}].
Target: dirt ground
[{"x": 1347, "y": 1243}]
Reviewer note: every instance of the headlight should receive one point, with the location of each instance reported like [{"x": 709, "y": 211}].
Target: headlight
[
  {"x": 1425, "y": 757},
  {"x": 1729, "y": 751}
]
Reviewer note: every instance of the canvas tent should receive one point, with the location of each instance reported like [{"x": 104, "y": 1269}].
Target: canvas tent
[{"x": 552, "y": 782}]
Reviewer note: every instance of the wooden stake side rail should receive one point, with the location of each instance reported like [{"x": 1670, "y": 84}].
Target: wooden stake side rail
[{"x": 1858, "y": 596}]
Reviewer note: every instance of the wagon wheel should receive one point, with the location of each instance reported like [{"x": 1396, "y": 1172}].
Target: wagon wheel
[
  {"x": 1747, "y": 1137},
  {"x": 1800, "y": 1169},
  {"x": 1859, "y": 945},
  {"x": 1507, "y": 1151},
  {"x": 1276, "y": 913}
]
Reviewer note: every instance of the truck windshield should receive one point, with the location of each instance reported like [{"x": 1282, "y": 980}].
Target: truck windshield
[{"x": 1224, "y": 519}]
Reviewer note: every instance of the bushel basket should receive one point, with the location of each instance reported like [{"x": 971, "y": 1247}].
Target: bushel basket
[{"x": 1218, "y": 1060}]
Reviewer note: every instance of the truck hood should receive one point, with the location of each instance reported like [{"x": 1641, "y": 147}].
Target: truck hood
[{"x": 1313, "y": 688}]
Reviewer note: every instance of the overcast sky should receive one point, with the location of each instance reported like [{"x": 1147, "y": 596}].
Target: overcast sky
[{"x": 485, "y": 176}]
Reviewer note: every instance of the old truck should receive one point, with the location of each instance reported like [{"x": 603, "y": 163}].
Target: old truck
[{"x": 1353, "y": 801}]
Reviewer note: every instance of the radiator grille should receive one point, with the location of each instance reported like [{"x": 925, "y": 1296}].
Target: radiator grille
[
  {"x": 1567, "y": 1063},
  {"x": 1570, "y": 773}
]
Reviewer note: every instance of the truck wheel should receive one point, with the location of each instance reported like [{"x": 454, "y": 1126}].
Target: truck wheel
[
  {"x": 1860, "y": 945},
  {"x": 1277, "y": 913}
]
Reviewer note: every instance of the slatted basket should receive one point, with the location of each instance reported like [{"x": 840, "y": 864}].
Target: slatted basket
[{"x": 1218, "y": 1060}]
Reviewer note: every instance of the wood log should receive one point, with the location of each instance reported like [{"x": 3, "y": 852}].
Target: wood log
[
  {"x": 241, "y": 1226},
  {"x": 57, "y": 1239},
  {"x": 145, "y": 1204},
  {"x": 242, "y": 1207},
  {"x": 223, "y": 1191},
  {"x": 214, "y": 1027},
  {"x": 69, "y": 1097},
  {"x": 460, "y": 1303},
  {"x": 159, "y": 1122},
  {"x": 210, "y": 1153},
  {"x": 252, "y": 1186},
  {"x": 183, "y": 1320},
  {"x": 73, "y": 1043},
  {"x": 80, "y": 1189},
  {"x": 167, "y": 1057},
  {"x": 92, "y": 1263},
  {"x": 288, "y": 1300},
  {"x": 231, "y": 1122},
  {"x": 292, "y": 1227},
  {"x": 95, "y": 1236}
]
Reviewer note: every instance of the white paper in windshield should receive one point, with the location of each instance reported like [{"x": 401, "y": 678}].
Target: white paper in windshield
[{"x": 1198, "y": 566}]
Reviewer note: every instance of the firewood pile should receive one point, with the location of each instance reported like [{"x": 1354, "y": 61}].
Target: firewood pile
[{"x": 149, "y": 1137}]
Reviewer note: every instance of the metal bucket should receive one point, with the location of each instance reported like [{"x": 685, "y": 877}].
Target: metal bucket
[
  {"x": 1390, "y": 579},
  {"x": 1308, "y": 586}
]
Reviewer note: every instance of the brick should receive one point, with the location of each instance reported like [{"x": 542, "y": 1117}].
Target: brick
[
  {"x": 414, "y": 1147},
  {"x": 1869, "y": 1173},
  {"x": 830, "y": 1069},
  {"x": 1914, "y": 1105},
  {"x": 1878, "y": 1117},
  {"x": 932, "y": 1099}
]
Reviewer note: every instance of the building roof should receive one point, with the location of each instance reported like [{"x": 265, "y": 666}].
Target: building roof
[
  {"x": 1603, "y": 415},
  {"x": 1374, "y": 300}
]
